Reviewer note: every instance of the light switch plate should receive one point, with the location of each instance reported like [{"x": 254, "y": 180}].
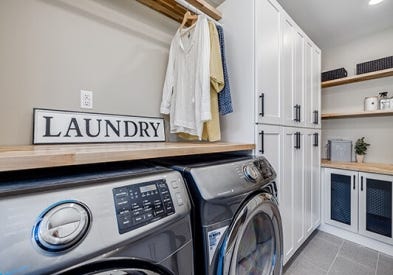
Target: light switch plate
[{"x": 86, "y": 99}]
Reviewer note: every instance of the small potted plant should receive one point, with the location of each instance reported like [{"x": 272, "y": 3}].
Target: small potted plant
[{"x": 360, "y": 149}]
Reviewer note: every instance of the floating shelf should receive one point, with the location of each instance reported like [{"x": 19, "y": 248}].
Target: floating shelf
[
  {"x": 176, "y": 11},
  {"x": 41, "y": 156},
  {"x": 379, "y": 168},
  {"x": 357, "y": 114},
  {"x": 358, "y": 78}
]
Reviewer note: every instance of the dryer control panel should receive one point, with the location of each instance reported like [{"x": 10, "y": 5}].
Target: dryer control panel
[{"x": 140, "y": 204}]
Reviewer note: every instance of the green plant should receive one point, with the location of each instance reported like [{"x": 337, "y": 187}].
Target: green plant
[{"x": 361, "y": 146}]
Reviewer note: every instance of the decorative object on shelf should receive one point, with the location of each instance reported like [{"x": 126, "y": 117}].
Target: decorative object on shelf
[
  {"x": 334, "y": 74},
  {"x": 384, "y": 101},
  {"x": 63, "y": 127},
  {"x": 371, "y": 103},
  {"x": 361, "y": 149},
  {"x": 339, "y": 150},
  {"x": 391, "y": 103},
  {"x": 375, "y": 65}
]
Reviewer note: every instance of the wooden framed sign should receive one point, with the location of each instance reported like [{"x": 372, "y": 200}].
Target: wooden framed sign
[{"x": 60, "y": 127}]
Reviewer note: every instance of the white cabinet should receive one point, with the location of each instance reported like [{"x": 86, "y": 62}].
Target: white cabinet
[
  {"x": 267, "y": 62},
  {"x": 360, "y": 202},
  {"x": 292, "y": 72},
  {"x": 312, "y": 87},
  {"x": 375, "y": 206},
  {"x": 269, "y": 144},
  {"x": 299, "y": 187},
  {"x": 292, "y": 191},
  {"x": 341, "y": 191},
  {"x": 312, "y": 183}
]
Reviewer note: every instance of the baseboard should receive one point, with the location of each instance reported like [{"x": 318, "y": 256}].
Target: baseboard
[{"x": 356, "y": 238}]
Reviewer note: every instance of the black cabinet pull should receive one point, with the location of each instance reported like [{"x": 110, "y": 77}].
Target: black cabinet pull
[
  {"x": 262, "y": 97},
  {"x": 262, "y": 134},
  {"x": 299, "y": 118},
  {"x": 354, "y": 182},
  {"x": 316, "y": 117},
  {"x": 361, "y": 183},
  {"x": 297, "y": 140},
  {"x": 316, "y": 140},
  {"x": 298, "y": 134}
]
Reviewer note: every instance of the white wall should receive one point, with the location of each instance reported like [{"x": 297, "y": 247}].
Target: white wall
[
  {"x": 51, "y": 49},
  {"x": 377, "y": 130}
]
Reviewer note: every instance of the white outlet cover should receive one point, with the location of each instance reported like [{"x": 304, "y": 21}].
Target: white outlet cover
[{"x": 86, "y": 99}]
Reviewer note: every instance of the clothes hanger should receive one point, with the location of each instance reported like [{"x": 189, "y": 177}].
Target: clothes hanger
[{"x": 188, "y": 16}]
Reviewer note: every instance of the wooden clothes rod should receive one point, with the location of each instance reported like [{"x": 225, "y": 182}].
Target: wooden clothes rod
[{"x": 176, "y": 9}]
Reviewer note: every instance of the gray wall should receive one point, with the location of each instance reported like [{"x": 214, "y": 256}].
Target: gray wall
[
  {"x": 377, "y": 130},
  {"x": 51, "y": 49}
]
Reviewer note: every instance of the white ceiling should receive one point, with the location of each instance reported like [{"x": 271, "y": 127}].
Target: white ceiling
[{"x": 330, "y": 23}]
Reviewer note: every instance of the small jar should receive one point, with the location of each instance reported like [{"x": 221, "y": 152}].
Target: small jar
[{"x": 384, "y": 101}]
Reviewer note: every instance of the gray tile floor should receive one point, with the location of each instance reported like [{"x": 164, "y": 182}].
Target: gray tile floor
[{"x": 326, "y": 254}]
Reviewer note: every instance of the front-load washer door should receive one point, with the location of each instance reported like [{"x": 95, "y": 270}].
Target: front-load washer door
[
  {"x": 254, "y": 241},
  {"x": 118, "y": 266}
]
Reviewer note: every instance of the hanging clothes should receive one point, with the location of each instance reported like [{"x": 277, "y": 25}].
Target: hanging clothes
[
  {"x": 211, "y": 128},
  {"x": 224, "y": 97},
  {"x": 186, "y": 92}
]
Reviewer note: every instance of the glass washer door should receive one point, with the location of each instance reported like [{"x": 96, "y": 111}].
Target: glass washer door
[{"x": 254, "y": 242}]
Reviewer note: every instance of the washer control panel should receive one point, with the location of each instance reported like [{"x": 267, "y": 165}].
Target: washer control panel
[{"x": 140, "y": 204}]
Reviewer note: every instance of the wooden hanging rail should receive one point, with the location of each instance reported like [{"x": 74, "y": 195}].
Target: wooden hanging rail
[{"x": 174, "y": 10}]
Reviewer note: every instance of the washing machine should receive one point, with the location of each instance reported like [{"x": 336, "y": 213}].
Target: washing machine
[
  {"x": 236, "y": 221},
  {"x": 129, "y": 218}
]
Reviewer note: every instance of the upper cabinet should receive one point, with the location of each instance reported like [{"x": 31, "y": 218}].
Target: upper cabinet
[
  {"x": 267, "y": 62},
  {"x": 274, "y": 69}
]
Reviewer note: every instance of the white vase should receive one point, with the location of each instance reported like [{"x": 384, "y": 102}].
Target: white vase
[{"x": 359, "y": 158}]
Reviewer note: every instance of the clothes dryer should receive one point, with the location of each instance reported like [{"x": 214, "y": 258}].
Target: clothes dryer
[{"x": 236, "y": 221}]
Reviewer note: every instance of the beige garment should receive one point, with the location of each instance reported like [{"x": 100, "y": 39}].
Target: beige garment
[{"x": 211, "y": 128}]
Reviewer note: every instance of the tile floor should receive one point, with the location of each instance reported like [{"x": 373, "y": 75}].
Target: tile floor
[{"x": 325, "y": 254}]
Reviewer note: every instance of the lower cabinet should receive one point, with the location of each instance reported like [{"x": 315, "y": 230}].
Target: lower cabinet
[
  {"x": 359, "y": 202},
  {"x": 300, "y": 187}
]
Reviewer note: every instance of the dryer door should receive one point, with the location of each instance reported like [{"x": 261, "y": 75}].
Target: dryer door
[{"x": 254, "y": 242}]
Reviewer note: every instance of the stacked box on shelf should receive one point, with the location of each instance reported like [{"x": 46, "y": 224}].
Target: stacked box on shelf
[
  {"x": 375, "y": 65},
  {"x": 334, "y": 74}
]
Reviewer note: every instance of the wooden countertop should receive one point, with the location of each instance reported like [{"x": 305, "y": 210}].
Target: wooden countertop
[
  {"x": 41, "y": 156},
  {"x": 378, "y": 168}
]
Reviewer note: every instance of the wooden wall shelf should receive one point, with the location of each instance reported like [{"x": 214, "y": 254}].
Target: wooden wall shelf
[
  {"x": 176, "y": 11},
  {"x": 42, "y": 156},
  {"x": 379, "y": 168},
  {"x": 357, "y": 114},
  {"x": 358, "y": 78}
]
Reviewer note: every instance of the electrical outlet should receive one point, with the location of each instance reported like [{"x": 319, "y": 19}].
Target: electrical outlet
[{"x": 86, "y": 99}]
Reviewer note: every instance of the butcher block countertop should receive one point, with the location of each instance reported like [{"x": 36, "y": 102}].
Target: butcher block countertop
[
  {"x": 42, "y": 156},
  {"x": 378, "y": 168}
]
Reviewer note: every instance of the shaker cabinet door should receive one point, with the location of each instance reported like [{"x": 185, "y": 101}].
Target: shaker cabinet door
[
  {"x": 342, "y": 199},
  {"x": 375, "y": 206},
  {"x": 267, "y": 62}
]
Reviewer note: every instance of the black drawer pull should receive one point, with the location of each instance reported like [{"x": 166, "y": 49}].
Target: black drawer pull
[
  {"x": 262, "y": 134},
  {"x": 354, "y": 182},
  {"x": 316, "y": 139}
]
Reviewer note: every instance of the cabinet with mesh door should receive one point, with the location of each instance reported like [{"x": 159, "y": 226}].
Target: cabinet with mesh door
[
  {"x": 375, "y": 206},
  {"x": 342, "y": 199},
  {"x": 360, "y": 202}
]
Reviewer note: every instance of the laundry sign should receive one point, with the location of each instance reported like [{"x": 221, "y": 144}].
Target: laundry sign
[{"x": 59, "y": 127}]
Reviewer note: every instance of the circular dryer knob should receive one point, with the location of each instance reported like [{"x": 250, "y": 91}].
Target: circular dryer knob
[
  {"x": 62, "y": 226},
  {"x": 251, "y": 172}
]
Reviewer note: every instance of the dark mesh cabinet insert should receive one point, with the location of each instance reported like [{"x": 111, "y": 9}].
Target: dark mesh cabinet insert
[
  {"x": 340, "y": 196},
  {"x": 379, "y": 207}
]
